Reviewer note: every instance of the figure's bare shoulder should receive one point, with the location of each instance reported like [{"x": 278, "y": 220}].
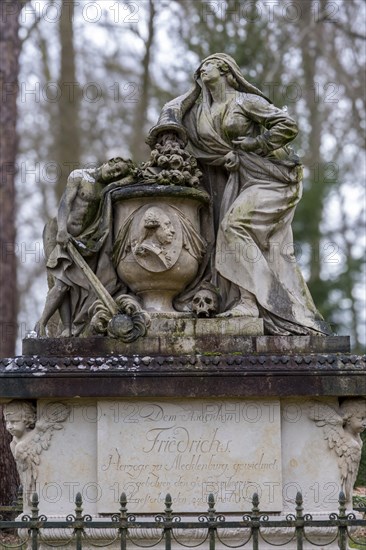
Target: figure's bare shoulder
[{"x": 80, "y": 174}]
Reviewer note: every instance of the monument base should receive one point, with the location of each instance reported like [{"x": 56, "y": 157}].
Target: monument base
[
  {"x": 191, "y": 425},
  {"x": 189, "y": 448}
]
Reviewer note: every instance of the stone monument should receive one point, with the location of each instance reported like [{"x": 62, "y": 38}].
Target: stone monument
[{"x": 189, "y": 357}]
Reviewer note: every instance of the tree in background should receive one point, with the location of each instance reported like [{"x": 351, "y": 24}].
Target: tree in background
[
  {"x": 9, "y": 62},
  {"x": 67, "y": 138}
]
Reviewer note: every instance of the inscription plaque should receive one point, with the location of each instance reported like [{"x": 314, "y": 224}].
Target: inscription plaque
[{"x": 189, "y": 448}]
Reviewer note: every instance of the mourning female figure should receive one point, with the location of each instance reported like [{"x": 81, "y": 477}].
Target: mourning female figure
[{"x": 241, "y": 142}]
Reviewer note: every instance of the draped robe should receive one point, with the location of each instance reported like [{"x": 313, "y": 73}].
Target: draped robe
[{"x": 254, "y": 205}]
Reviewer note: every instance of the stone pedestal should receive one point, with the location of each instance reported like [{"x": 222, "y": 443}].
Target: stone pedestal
[{"x": 231, "y": 417}]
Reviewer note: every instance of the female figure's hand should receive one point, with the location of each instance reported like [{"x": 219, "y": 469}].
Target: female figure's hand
[
  {"x": 231, "y": 162},
  {"x": 247, "y": 144},
  {"x": 62, "y": 237}
]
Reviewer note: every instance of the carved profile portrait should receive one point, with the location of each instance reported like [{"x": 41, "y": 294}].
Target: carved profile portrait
[
  {"x": 154, "y": 236},
  {"x": 157, "y": 238}
]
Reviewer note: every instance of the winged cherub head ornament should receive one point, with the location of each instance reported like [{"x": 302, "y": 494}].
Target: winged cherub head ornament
[
  {"x": 341, "y": 429},
  {"x": 31, "y": 436}
]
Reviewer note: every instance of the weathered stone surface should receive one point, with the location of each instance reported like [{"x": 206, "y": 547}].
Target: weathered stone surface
[
  {"x": 270, "y": 446},
  {"x": 230, "y": 124},
  {"x": 189, "y": 449},
  {"x": 309, "y": 466},
  {"x": 209, "y": 375},
  {"x": 180, "y": 335},
  {"x": 302, "y": 344},
  {"x": 152, "y": 253}
]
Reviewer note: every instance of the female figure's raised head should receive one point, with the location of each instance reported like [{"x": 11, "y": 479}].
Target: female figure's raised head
[{"x": 231, "y": 70}]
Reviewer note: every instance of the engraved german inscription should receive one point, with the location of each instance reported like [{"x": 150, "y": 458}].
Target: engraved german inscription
[{"x": 189, "y": 448}]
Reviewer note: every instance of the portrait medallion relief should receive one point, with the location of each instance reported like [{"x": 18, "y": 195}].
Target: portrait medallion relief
[{"x": 156, "y": 237}]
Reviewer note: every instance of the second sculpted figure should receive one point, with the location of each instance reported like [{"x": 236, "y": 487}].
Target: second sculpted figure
[
  {"x": 84, "y": 219},
  {"x": 241, "y": 143},
  {"x": 32, "y": 436}
]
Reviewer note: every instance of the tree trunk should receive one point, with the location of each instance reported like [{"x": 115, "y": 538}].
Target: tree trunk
[
  {"x": 314, "y": 193},
  {"x": 138, "y": 146},
  {"x": 68, "y": 135},
  {"x": 9, "y": 479},
  {"x": 9, "y": 61}
]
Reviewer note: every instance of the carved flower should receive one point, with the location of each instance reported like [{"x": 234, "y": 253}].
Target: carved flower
[
  {"x": 176, "y": 162},
  {"x": 154, "y": 155},
  {"x": 176, "y": 177},
  {"x": 163, "y": 178},
  {"x": 163, "y": 161}
]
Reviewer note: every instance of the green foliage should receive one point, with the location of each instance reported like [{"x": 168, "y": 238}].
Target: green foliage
[
  {"x": 361, "y": 478},
  {"x": 358, "y": 546}
]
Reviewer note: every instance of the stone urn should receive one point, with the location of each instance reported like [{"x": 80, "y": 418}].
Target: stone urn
[{"x": 158, "y": 241}]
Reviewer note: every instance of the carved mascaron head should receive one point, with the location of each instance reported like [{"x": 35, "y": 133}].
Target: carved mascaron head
[
  {"x": 353, "y": 412},
  {"x": 20, "y": 418}
]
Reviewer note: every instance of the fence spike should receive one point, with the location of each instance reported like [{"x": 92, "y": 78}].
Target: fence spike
[
  {"x": 123, "y": 502},
  {"x": 299, "y": 500},
  {"x": 299, "y": 503},
  {"x": 168, "y": 504},
  {"x": 78, "y": 505},
  {"x": 255, "y": 502},
  {"x": 211, "y": 502},
  {"x": 35, "y": 503},
  {"x": 19, "y": 498},
  {"x": 342, "y": 504}
]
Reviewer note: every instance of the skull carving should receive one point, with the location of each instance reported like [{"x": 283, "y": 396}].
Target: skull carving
[{"x": 205, "y": 303}]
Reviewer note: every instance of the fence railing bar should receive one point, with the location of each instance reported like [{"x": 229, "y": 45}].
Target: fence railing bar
[
  {"x": 299, "y": 522},
  {"x": 342, "y": 528},
  {"x": 106, "y": 524},
  {"x": 168, "y": 521},
  {"x": 255, "y": 521},
  {"x": 211, "y": 522},
  {"x": 123, "y": 520},
  {"x": 34, "y": 522},
  {"x": 126, "y": 526}
]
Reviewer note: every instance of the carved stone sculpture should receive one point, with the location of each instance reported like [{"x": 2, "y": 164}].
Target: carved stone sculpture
[
  {"x": 128, "y": 323},
  {"x": 154, "y": 249},
  {"x": 205, "y": 303},
  {"x": 146, "y": 231},
  {"x": 171, "y": 164},
  {"x": 84, "y": 220},
  {"x": 159, "y": 247},
  {"x": 31, "y": 436},
  {"x": 342, "y": 428},
  {"x": 240, "y": 140}
]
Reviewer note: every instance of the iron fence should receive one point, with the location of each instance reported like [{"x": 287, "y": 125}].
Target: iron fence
[{"x": 167, "y": 528}]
